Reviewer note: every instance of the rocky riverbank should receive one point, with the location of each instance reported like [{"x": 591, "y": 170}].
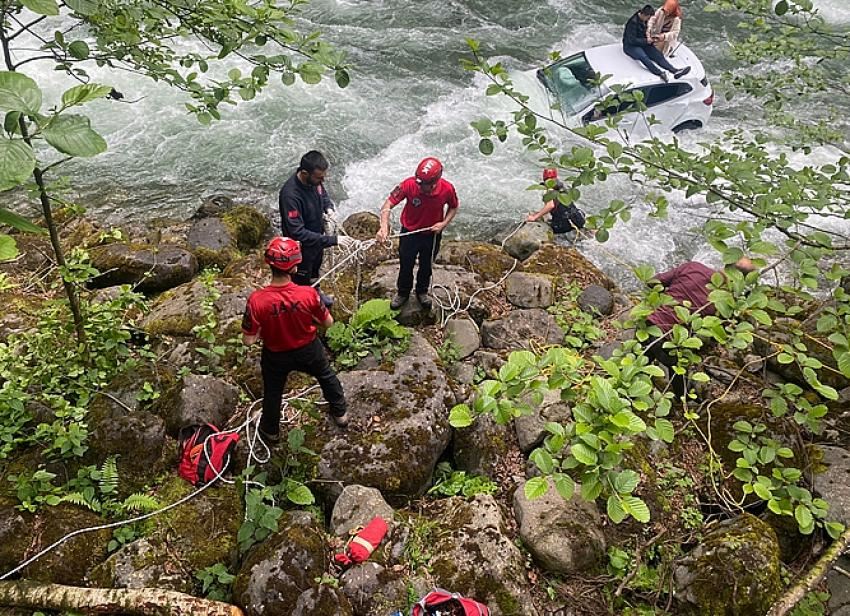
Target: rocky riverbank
[{"x": 520, "y": 556}]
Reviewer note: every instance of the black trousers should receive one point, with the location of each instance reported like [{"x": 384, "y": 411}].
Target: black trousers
[
  {"x": 658, "y": 353},
  {"x": 650, "y": 57},
  {"x": 423, "y": 246},
  {"x": 308, "y": 269},
  {"x": 276, "y": 367}
]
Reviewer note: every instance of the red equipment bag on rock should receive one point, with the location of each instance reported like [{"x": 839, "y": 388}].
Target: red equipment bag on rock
[
  {"x": 198, "y": 466},
  {"x": 363, "y": 543},
  {"x": 446, "y": 603}
]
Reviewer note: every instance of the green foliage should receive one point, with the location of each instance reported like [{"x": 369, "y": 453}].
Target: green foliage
[
  {"x": 812, "y": 604},
  {"x": 45, "y": 367},
  {"x": 371, "y": 330},
  {"x": 420, "y": 542},
  {"x": 97, "y": 490},
  {"x": 453, "y": 483},
  {"x": 580, "y": 328},
  {"x": 261, "y": 516},
  {"x": 215, "y": 582},
  {"x": 448, "y": 352}
]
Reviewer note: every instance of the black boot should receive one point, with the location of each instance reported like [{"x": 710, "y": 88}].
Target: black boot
[{"x": 399, "y": 300}]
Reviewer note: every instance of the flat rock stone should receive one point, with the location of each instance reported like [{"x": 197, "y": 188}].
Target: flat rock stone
[
  {"x": 464, "y": 334},
  {"x": 198, "y": 398},
  {"x": 562, "y": 536},
  {"x": 833, "y": 485},
  {"x": 519, "y": 328},
  {"x": 526, "y": 290},
  {"x": 150, "y": 269},
  {"x": 356, "y": 507},
  {"x": 486, "y": 260}
]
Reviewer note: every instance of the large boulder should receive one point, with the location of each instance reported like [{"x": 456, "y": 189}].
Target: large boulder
[
  {"x": 399, "y": 427},
  {"x": 197, "y": 398},
  {"x": 277, "y": 571},
  {"x": 175, "y": 313},
  {"x": 526, "y": 290},
  {"x": 356, "y": 506},
  {"x": 464, "y": 335},
  {"x": 362, "y": 225},
  {"x": 474, "y": 556},
  {"x": 16, "y": 528},
  {"x": 568, "y": 265},
  {"x": 320, "y": 601},
  {"x": 373, "y": 589},
  {"x": 832, "y": 484},
  {"x": 68, "y": 562},
  {"x": 481, "y": 448},
  {"x": 197, "y": 534},
  {"x": 734, "y": 571},
  {"x": 489, "y": 262},
  {"x": 562, "y": 536},
  {"x": 149, "y": 269},
  {"x": 531, "y": 429},
  {"x": 519, "y": 328},
  {"x": 217, "y": 240},
  {"x": 526, "y": 240},
  {"x": 596, "y": 299}
]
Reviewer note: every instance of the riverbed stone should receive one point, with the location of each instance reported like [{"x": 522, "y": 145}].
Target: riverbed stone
[
  {"x": 322, "y": 600},
  {"x": 16, "y": 529},
  {"x": 526, "y": 290},
  {"x": 567, "y": 265},
  {"x": 486, "y": 260},
  {"x": 373, "y": 589},
  {"x": 481, "y": 448},
  {"x": 399, "y": 427},
  {"x": 464, "y": 334},
  {"x": 832, "y": 483},
  {"x": 526, "y": 240},
  {"x": 211, "y": 242},
  {"x": 474, "y": 556},
  {"x": 531, "y": 429},
  {"x": 596, "y": 299},
  {"x": 563, "y": 536},
  {"x": 277, "y": 571},
  {"x": 519, "y": 328},
  {"x": 150, "y": 269},
  {"x": 744, "y": 550},
  {"x": 355, "y": 508},
  {"x": 197, "y": 398},
  {"x": 362, "y": 225}
]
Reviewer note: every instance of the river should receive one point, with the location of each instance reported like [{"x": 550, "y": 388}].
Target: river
[{"x": 408, "y": 98}]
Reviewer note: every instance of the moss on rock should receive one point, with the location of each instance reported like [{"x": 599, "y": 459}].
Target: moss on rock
[
  {"x": 487, "y": 260},
  {"x": 568, "y": 265},
  {"x": 247, "y": 225}
]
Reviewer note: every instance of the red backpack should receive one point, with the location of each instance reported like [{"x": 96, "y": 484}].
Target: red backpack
[
  {"x": 442, "y": 602},
  {"x": 198, "y": 466}
]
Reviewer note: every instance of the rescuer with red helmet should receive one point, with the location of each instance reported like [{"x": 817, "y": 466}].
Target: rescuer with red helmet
[
  {"x": 565, "y": 218},
  {"x": 430, "y": 205},
  {"x": 286, "y": 315}
]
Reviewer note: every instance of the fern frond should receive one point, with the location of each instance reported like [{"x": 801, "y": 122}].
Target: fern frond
[
  {"x": 108, "y": 482},
  {"x": 140, "y": 502},
  {"x": 77, "y": 498}
]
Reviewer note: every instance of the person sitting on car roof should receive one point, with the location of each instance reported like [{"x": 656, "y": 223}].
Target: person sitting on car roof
[
  {"x": 663, "y": 28},
  {"x": 637, "y": 45}
]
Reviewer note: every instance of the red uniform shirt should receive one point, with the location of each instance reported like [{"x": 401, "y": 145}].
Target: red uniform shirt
[
  {"x": 285, "y": 316},
  {"x": 422, "y": 211},
  {"x": 688, "y": 282}
]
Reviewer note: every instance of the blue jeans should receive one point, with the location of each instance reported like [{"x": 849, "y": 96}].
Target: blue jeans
[{"x": 649, "y": 56}]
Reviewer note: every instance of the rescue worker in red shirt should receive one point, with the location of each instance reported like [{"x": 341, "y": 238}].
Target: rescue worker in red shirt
[
  {"x": 430, "y": 205},
  {"x": 285, "y": 315},
  {"x": 686, "y": 283}
]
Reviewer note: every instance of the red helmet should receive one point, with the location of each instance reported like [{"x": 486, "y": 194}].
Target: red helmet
[
  {"x": 550, "y": 174},
  {"x": 429, "y": 170},
  {"x": 283, "y": 254}
]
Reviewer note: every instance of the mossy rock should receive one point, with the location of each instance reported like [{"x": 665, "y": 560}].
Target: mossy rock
[
  {"x": 150, "y": 269},
  {"x": 69, "y": 562},
  {"x": 321, "y": 601},
  {"x": 733, "y": 572},
  {"x": 247, "y": 225},
  {"x": 489, "y": 261},
  {"x": 16, "y": 530},
  {"x": 79, "y": 232},
  {"x": 20, "y": 312},
  {"x": 362, "y": 225},
  {"x": 723, "y": 418},
  {"x": 567, "y": 265},
  {"x": 277, "y": 571},
  {"x": 34, "y": 254}
]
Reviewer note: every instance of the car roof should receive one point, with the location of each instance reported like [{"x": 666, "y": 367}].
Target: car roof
[{"x": 610, "y": 60}]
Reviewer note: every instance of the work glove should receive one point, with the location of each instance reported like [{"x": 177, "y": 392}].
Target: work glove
[{"x": 346, "y": 242}]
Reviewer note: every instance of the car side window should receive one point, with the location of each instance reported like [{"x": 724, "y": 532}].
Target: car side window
[{"x": 655, "y": 95}]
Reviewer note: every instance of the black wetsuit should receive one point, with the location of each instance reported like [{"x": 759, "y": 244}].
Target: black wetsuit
[{"x": 566, "y": 218}]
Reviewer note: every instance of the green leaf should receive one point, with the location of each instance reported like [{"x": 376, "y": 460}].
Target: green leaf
[
  {"x": 665, "y": 430},
  {"x": 626, "y": 481},
  {"x": 781, "y": 8},
  {"x": 342, "y": 78},
  {"x": 762, "y": 491},
  {"x": 460, "y": 416},
  {"x": 543, "y": 460},
  {"x": 20, "y": 223},
  {"x": 834, "y": 529},
  {"x": 615, "y": 510},
  {"x": 42, "y": 7},
  {"x": 8, "y": 248},
  {"x": 19, "y": 93},
  {"x": 84, "y": 93},
  {"x": 803, "y": 516},
  {"x": 565, "y": 485},
  {"x": 639, "y": 388},
  {"x": 72, "y": 135},
  {"x": 485, "y": 146},
  {"x": 300, "y": 495},
  {"x": 535, "y": 488},
  {"x": 843, "y": 360},
  {"x": 637, "y": 508},
  {"x": 79, "y": 49},
  {"x": 17, "y": 162},
  {"x": 583, "y": 454},
  {"x": 82, "y": 7}
]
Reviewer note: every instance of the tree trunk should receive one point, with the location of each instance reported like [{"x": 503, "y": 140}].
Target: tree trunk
[
  {"x": 813, "y": 576},
  {"x": 141, "y": 601}
]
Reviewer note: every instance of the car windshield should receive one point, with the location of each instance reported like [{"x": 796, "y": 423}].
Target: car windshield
[{"x": 570, "y": 80}]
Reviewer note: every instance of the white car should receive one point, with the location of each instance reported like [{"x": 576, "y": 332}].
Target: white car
[{"x": 679, "y": 104}]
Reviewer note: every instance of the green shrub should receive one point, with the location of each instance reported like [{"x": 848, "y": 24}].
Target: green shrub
[{"x": 371, "y": 330}]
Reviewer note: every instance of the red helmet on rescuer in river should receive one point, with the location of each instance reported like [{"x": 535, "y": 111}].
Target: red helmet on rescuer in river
[
  {"x": 429, "y": 170},
  {"x": 283, "y": 253},
  {"x": 549, "y": 174}
]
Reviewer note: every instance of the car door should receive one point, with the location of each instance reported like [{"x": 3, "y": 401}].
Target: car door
[{"x": 667, "y": 102}]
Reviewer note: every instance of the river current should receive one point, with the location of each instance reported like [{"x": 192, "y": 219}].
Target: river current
[{"x": 408, "y": 98}]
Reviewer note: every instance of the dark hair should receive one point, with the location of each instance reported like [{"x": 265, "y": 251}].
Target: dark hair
[
  {"x": 313, "y": 160},
  {"x": 647, "y": 10}
]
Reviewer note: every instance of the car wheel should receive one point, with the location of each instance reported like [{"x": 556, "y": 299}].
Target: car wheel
[{"x": 687, "y": 125}]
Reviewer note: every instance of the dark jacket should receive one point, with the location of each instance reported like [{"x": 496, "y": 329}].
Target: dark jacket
[
  {"x": 635, "y": 33},
  {"x": 566, "y": 218},
  {"x": 301, "y": 216}
]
